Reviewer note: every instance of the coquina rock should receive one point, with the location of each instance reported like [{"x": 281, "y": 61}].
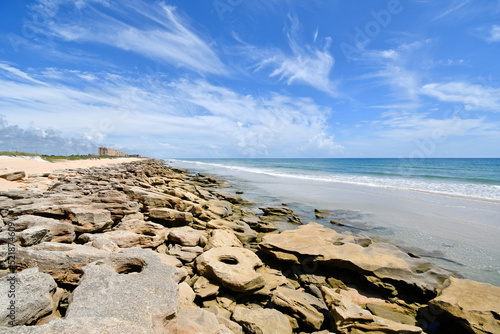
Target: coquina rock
[
  {"x": 170, "y": 217},
  {"x": 301, "y": 305},
  {"x": 61, "y": 231},
  {"x": 31, "y": 297},
  {"x": 241, "y": 229},
  {"x": 262, "y": 320},
  {"x": 473, "y": 305},
  {"x": 351, "y": 318},
  {"x": 129, "y": 292},
  {"x": 329, "y": 248},
  {"x": 232, "y": 267},
  {"x": 64, "y": 262}
]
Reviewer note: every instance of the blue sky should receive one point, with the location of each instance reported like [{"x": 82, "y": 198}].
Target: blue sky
[{"x": 260, "y": 78}]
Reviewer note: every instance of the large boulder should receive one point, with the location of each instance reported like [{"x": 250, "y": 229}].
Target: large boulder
[
  {"x": 129, "y": 292},
  {"x": 473, "y": 305},
  {"x": 233, "y": 267},
  {"x": 27, "y": 296},
  {"x": 331, "y": 249},
  {"x": 305, "y": 307},
  {"x": 262, "y": 320},
  {"x": 64, "y": 262}
]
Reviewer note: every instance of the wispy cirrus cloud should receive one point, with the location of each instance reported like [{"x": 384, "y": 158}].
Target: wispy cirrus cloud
[
  {"x": 472, "y": 96},
  {"x": 156, "y": 31},
  {"x": 306, "y": 64},
  {"x": 162, "y": 115},
  {"x": 411, "y": 126}
]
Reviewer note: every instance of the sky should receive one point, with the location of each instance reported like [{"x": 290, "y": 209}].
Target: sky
[{"x": 251, "y": 79}]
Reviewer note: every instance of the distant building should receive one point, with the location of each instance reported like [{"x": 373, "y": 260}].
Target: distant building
[{"x": 110, "y": 152}]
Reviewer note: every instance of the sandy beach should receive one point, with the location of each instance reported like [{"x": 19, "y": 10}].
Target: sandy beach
[{"x": 35, "y": 165}]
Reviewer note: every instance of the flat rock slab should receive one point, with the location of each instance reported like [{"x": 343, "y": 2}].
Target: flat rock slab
[
  {"x": 474, "y": 305},
  {"x": 332, "y": 249},
  {"x": 233, "y": 267}
]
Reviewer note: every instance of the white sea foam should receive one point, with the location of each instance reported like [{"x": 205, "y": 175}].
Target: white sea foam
[{"x": 469, "y": 190}]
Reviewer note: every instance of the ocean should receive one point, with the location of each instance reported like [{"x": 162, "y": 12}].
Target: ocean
[{"x": 447, "y": 210}]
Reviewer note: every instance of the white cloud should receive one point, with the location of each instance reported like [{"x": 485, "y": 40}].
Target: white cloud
[
  {"x": 310, "y": 65},
  {"x": 195, "y": 118},
  {"x": 494, "y": 34},
  {"x": 410, "y": 126},
  {"x": 472, "y": 96},
  {"x": 451, "y": 10},
  {"x": 156, "y": 31}
]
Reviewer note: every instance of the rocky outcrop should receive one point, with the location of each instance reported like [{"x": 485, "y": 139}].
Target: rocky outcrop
[
  {"x": 331, "y": 249},
  {"x": 166, "y": 252},
  {"x": 473, "y": 305}
]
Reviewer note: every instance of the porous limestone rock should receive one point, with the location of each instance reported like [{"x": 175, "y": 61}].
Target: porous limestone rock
[
  {"x": 474, "y": 305},
  {"x": 233, "y": 267},
  {"x": 61, "y": 231},
  {"x": 221, "y": 238},
  {"x": 218, "y": 207},
  {"x": 34, "y": 235},
  {"x": 30, "y": 296},
  {"x": 13, "y": 176},
  {"x": 187, "y": 236},
  {"x": 64, "y": 262},
  {"x": 89, "y": 219},
  {"x": 349, "y": 317},
  {"x": 301, "y": 305},
  {"x": 262, "y": 320},
  {"x": 331, "y": 249},
  {"x": 170, "y": 217},
  {"x": 242, "y": 231}
]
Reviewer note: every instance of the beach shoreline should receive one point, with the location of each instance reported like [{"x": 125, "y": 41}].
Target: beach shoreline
[
  {"x": 185, "y": 248},
  {"x": 454, "y": 232}
]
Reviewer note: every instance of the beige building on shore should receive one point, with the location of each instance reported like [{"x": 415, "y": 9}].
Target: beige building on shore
[{"x": 110, "y": 152}]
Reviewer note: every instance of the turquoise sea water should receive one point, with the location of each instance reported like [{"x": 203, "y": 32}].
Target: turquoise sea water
[
  {"x": 446, "y": 210},
  {"x": 474, "y": 178}
]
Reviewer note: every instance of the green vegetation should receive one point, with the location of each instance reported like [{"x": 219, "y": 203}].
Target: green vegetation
[{"x": 54, "y": 158}]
